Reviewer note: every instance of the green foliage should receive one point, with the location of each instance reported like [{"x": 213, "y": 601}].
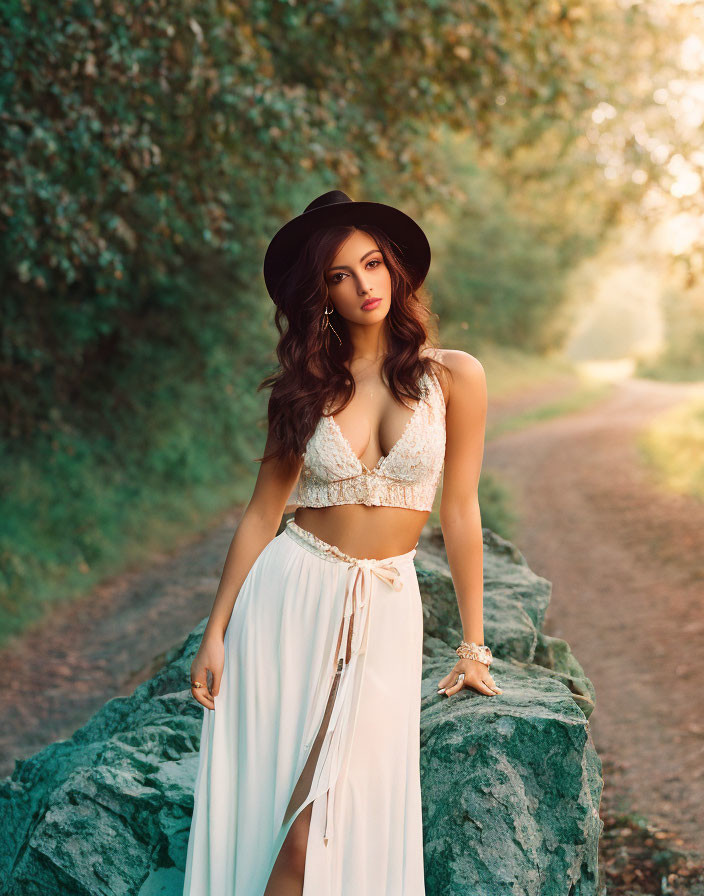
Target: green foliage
[
  {"x": 682, "y": 357},
  {"x": 150, "y": 152},
  {"x": 498, "y": 271},
  {"x": 496, "y": 507},
  {"x": 112, "y": 198},
  {"x": 672, "y": 446},
  {"x": 146, "y": 139},
  {"x": 78, "y": 503}
]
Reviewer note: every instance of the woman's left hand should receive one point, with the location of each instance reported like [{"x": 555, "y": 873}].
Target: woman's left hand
[{"x": 476, "y": 675}]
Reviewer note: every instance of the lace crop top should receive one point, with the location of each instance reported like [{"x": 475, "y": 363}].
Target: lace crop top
[{"x": 408, "y": 476}]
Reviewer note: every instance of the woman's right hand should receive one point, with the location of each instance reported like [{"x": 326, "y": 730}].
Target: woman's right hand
[{"x": 210, "y": 658}]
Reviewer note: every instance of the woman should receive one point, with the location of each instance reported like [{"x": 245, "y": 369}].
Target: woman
[{"x": 310, "y": 664}]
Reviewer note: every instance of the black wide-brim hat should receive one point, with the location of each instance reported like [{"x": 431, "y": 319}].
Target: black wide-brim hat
[{"x": 334, "y": 208}]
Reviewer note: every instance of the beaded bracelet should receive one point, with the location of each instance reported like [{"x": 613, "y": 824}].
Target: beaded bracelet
[{"x": 472, "y": 651}]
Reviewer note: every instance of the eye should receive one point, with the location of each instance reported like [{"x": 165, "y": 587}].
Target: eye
[{"x": 375, "y": 261}]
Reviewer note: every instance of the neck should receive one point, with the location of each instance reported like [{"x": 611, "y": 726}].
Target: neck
[{"x": 369, "y": 343}]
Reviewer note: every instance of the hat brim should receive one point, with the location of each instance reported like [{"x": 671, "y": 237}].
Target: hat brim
[{"x": 399, "y": 227}]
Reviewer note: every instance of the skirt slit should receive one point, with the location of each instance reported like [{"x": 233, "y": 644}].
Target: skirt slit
[{"x": 319, "y": 703}]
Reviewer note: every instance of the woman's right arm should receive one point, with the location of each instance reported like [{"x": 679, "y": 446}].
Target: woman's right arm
[{"x": 258, "y": 526}]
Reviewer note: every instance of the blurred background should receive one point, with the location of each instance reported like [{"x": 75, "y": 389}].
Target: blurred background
[{"x": 551, "y": 151}]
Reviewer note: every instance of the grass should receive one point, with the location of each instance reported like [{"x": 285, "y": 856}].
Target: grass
[
  {"x": 510, "y": 372},
  {"x": 584, "y": 395},
  {"x": 77, "y": 511},
  {"x": 673, "y": 448}
]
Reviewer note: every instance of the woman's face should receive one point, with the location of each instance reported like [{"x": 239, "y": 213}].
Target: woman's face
[{"x": 358, "y": 274}]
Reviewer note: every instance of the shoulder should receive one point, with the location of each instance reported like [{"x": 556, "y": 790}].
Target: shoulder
[{"x": 466, "y": 373}]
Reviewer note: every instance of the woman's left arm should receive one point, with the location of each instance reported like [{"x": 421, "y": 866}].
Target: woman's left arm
[{"x": 460, "y": 517}]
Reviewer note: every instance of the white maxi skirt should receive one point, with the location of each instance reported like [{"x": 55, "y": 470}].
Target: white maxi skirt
[{"x": 319, "y": 702}]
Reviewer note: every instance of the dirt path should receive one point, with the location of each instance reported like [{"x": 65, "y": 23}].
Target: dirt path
[{"x": 627, "y": 565}]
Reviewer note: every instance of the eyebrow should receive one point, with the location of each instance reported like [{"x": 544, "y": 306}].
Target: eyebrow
[{"x": 345, "y": 268}]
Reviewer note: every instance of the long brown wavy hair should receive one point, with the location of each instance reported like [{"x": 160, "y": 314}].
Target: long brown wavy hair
[{"x": 312, "y": 371}]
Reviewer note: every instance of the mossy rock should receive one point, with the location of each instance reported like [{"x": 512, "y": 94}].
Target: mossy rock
[{"x": 511, "y": 783}]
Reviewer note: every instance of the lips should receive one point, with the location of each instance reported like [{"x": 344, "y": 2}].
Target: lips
[{"x": 371, "y": 303}]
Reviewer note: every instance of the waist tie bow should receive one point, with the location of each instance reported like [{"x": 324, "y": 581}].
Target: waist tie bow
[
  {"x": 355, "y": 631},
  {"x": 357, "y": 594}
]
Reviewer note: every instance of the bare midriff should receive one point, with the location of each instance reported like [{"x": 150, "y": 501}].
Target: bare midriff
[{"x": 367, "y": 532}]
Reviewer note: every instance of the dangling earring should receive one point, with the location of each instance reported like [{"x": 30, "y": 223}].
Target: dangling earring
[{"x": 326, "y": 322}]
